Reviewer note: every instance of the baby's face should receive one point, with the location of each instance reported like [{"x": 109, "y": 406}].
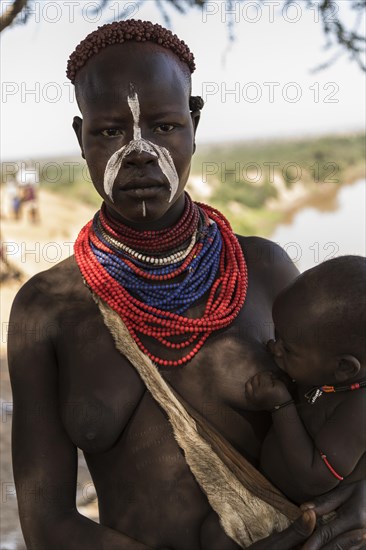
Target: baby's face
[
  {"x": 303, "y": 364},
  {"x": 296, "y": 349}
]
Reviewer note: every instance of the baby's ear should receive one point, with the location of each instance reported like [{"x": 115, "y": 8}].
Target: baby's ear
[{"x": 348, "y": 367}]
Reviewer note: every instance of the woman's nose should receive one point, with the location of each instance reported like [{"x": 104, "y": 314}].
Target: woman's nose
[{"x": 138, "y": 159}]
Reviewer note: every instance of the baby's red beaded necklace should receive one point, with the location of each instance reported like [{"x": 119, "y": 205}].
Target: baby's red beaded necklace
[
  {"x": 313, "y": 394},
  {"x": 225, "y": 298}
]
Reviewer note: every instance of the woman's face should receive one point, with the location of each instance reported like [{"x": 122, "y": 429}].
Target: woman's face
[{"x": 137, "y": 132}]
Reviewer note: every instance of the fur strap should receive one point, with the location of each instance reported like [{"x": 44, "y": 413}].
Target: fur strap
[{"x": 245, "y": 517}]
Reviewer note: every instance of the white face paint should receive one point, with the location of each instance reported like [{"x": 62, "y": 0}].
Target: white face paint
[
  {"x": 134, "y": 105},
  {"x": 140, "y": 145}
]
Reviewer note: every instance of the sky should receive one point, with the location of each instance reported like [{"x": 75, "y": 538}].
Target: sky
[{"x": 259, "y": 86}]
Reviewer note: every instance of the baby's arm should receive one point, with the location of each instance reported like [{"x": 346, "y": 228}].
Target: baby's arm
[{"x": 342, "y": 439}]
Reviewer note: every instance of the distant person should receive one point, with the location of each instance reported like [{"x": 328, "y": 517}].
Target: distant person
[
  {"x": 14, "y": 198},
  {"x": 28, "y": 181},
  {"x": 136, "y": 350},
  {"x": 318, "y": 436}
]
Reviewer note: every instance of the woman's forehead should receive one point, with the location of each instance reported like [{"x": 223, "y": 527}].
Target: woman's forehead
[
  {"x": 152, "y": 99},
  {"x": 147, "y": 68}
]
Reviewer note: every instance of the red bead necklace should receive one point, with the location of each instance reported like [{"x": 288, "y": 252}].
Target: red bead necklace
[
  {"x": 225, "y": 300},
  {"x": 155, "y": 241}
]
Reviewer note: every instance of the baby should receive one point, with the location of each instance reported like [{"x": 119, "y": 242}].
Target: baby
[{"x": 318, "y": 436}]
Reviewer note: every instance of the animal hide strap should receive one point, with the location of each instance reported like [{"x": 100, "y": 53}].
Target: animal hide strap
[{"x": 248, "y": 505}]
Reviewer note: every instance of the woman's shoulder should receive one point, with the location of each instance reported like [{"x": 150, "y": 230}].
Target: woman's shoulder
[
  {"x": 262, "y": 248},
  {"x": 60, "y": 283},
  {"x": 268, "y": 262}
]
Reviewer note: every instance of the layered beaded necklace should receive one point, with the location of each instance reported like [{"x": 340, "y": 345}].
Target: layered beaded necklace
[{"x": 151, "y": 278}]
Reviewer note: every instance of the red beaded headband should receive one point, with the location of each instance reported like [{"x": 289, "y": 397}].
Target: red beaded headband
[{"x": 121, "y": 31}]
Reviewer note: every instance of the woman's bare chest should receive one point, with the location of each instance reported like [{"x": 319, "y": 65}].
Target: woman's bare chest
[{"x": 100, "y": 390}]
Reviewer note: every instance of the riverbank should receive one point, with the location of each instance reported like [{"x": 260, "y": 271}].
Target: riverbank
[{"x": 261, "y": 184}]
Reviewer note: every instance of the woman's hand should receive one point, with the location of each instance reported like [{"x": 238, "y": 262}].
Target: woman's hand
[
  {"x": 293, "y": 537},
  {"x": 347, "y": 531}
]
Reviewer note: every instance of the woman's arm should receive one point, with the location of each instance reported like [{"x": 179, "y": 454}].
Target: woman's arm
[{"x": 44, "y": 458}]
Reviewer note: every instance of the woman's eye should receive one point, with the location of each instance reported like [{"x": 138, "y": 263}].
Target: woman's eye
[
  {"x": 111, "y": 132},
  {"x": 164, "y": 128}
]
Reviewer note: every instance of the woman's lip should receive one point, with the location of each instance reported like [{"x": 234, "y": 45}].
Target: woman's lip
[
  {"x": 143, "y": 192},
  {"x": 140, "y": 182}
]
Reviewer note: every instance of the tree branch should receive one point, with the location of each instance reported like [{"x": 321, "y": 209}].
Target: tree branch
[
  {"x": 339, "y": 37},
  {"x": 11, "y": 12}
]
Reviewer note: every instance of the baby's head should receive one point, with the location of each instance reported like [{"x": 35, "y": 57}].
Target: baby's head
[
  {"x": 320, "y": 323},
  {"x": 133, "y": 86}
]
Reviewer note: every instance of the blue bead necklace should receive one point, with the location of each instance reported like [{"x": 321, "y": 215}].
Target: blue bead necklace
[{"x": 143, "y": 280}]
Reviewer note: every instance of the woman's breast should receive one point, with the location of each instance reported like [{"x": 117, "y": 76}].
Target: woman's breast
[{"x": 99, "y": 392}]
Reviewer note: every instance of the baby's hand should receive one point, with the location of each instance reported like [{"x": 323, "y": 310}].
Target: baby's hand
[{"x": 265, "y": 391}]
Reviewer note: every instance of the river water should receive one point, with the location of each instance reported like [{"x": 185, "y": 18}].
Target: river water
[{"x": 324, "y": 231}]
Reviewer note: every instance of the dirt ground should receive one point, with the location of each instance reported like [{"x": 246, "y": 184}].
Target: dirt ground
[{"x": 30, "y": 248}]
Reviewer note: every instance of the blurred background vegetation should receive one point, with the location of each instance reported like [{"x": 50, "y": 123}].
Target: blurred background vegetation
[{"x": 254, "y": 183}]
